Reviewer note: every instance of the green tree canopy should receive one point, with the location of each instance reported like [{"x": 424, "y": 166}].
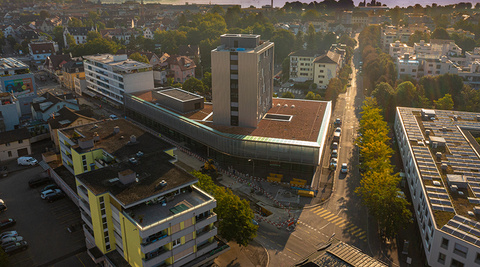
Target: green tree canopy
[
  {"x": 207, "y": 81},
  {"x": 193, "y": 85},
  {"x": 284, "y": 41},
  {"x": 440, "y": 33},
  {"x": 406, "y": 94},
  {"x": 445, "y": 103},
  {"x": 235, "y": 217},
  {"x": 74, "y": 22},
  {"x": 92, "y": 35},
  {"x": 44, "y": 14},
  {"x": 70, "y": 40},
  {"x": 139, "y": 57},
  {"x": 96, "y": 46},
  {"x": 310, "y": 15},
  {"x": 417, "y": 36}
]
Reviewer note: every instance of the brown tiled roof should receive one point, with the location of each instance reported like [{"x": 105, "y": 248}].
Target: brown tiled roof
[
  {"x": 42, "y": 48},
  {"x": 14, "y": 135},
  {"x": 182, "y": 61},
  {"x": 68, "y": 114},
  {"x": 49, "y": 97},
  {"x": 57, "y": 60},
  {"x": 188, "y": 50}
]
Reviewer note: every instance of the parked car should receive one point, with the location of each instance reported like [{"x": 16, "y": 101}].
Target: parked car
[
  {"x": 50, "y": 192},
  {"x": 113, "y": 117},
  {"x": 50, "y": 186},
  {"x": 3, "y": 206},
  {"x": 334, "y": 154},
  {"x": 334, "y": 145},
  {"x": 338, "y": 122},
  {"x": 338, "y": 130},
  {"x": 333, "y": 163},
  {"x": 16, "y": 247},
  {"x": 8, "y": 240},
  {"x": 39, "y": 181},
  {"x": 7, "y": 223},
  {"x": 344, "y": 168},
  {"x": 8, "y": 234},
  {"x": 55, "y": 197},
  {"x": 27, "y": 161}
]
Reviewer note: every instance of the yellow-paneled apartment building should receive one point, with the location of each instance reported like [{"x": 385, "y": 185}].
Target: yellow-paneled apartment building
[{"x": 138, "y": 207}]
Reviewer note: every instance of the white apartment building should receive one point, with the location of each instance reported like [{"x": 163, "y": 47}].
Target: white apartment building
[
  {"x": 397, "y": 49},
  {"x": 301, "y": 65},
  {"x": 113, "y": 75},
  {"x": 441, "y": 159},
  {"x": 416, "y": 67},
  {"x": 327, "y": 67},
  {"x": 390, "y": 34},
  {"x": 437, "y": 48}
]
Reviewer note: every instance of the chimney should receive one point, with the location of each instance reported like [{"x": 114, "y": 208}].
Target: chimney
[
  {"x": 96, "y": 137},
  {"x": 127, "y": 176},
  {"x": 116, "y": 129}
]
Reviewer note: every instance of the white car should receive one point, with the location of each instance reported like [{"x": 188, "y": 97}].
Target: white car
[
  {"x": 26, "y": 161},
  {"x": 344, "y": 168},
  {"x": 113, "y": 117},
  {"x": 338, "y": 130},
  {"x": 12, "y": 239},
  {"x": 50, "y": 192},
  {"x": 8, "y": 234}
]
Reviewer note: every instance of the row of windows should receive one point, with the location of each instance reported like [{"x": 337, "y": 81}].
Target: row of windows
[{"x": 9, "y": 143}]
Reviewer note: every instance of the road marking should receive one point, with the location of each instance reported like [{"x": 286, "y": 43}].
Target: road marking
[
  {"x": 80, "y": 260},
  {"x": 322, "y": 213},
  {"x": 338, "y": 220},
  {"x": 317, "y": 208},
  {"x": 341, "y": 225},
  {"x": 358, "y": 230},
  {"x": 359, "y": 234},
  {"x": 351, "y": 226},
  {"x": 297, "y": 237},
  {"x": 331, "y": 215}
]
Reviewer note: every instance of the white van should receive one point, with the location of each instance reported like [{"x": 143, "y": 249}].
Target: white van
[{"x": 26, "y": 161}]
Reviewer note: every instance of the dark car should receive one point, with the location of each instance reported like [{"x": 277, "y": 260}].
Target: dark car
[
  {"x": 36, "y": 182},
  {"x": 3, "y": 207},
  {"x": 7, "y": 223},
  {"x": 16, "y": 247},
  {"x": 55, "y": 197}
]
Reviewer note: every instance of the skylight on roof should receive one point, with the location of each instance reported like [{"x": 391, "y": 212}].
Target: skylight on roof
[{"x": 278, "y": 117}]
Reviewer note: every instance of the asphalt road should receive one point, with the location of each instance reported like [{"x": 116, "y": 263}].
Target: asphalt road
[{"x": 343, "y": 215}]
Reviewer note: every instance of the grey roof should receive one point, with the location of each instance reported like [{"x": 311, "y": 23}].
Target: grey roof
[{"x": 14, "y": 135}]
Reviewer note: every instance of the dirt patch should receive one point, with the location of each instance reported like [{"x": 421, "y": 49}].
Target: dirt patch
[{"x": 253, "y": 255}]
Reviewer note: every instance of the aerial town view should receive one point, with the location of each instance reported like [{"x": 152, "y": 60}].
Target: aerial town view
[{"x": 256, "y": 133}]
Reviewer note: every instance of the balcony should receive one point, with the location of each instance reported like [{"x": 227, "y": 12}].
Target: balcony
[
  {"x": 82, "y": 192},
  {"x": 88, "y": 234},
  {"x": 200, "y": 223},
  {"x": 85, "y": 206},
  {"x": 204, "y": 235},
  {"x": 205, "y": 248},
  {"x": 156, "y": 257},
  {"x": 159, "y": 242},
  {"x": 87, "y": 219}
]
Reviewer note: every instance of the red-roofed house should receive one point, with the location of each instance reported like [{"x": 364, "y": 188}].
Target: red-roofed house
[
  {"x": 39, "y": 51},
  {"x": 181, "y": 68}
]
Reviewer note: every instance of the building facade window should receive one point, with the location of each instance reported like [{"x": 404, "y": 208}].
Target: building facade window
[
  {"x": 456, "y": 263},
  {"x": 460, "y": 250},
  {"x": 441, "y": 258}
]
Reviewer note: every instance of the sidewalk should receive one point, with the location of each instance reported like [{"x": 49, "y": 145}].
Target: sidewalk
[{"x": 253, "y": 255}]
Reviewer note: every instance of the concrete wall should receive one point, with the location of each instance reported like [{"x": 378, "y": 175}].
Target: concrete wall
[
  {"x": 138, "y": 81},
  {"x": 10, "y": 116},
  {"x": 221, "y": 87}
]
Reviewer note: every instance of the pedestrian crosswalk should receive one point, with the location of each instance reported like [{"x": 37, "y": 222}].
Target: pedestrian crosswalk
[{"x": 340, "y": 222}]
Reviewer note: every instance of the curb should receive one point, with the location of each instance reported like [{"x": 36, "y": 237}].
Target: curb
[{"x": 266, "y": 251}]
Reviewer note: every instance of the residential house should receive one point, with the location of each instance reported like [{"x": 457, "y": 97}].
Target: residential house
[
  {"x": 39, "y": 51},
  {"x": 360, "y": 19},
  {"x": 190, "y": 51},
  {"x": 14, "y": 144},
  {"x": 153, "y": 59},
  {"x": 181, "y": 68},
  {"x": 120, "y": 34},
  {"x": 398, "y": 49},
  {"x": 147, "y": 33},
  {"x": 71, "y": 70},
  {"x": 67, "y": 117},
  {"x": 301, "y": 64},
  {"x": 80, "y": 85},
  {"x": 8, "y": 30},
  {"x": 79, "y": 34},
  {"x": 327, "y": 66},
  {"x": 45, "y": 106},
  {"x": 17, "y": 79},
  {"x": 48, "y": 24},
  {"x": 53, "y": 64}
]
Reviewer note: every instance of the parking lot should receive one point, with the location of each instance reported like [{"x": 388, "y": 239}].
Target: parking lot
[{"x": 43, "y": 225}]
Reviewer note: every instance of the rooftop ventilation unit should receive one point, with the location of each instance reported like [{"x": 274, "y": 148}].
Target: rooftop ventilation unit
[
  {"x": 293, "y": 106},
  {"x": 285, "y": 106}
]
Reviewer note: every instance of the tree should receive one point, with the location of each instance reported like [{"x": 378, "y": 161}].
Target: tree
[
  {"x": 44, "y": 14},
  {"x": 70, "y": 40},
  {"x": 286, "y": 69},
  {"x": 310, "y": 37},
  {"x": 235, "y": 217},
  {"x": 310, "y": 15},
  {"x": 74, "y": 22},
  {"x": 440, "y": 33},
  {"x": 58, "y": 35},
  {"x": 284, "y": 41},
  {"x": 207, "y": 81},
  {"x": 288, "y": 95},
  {"x": 96, "y": 46},
  {"x": 445, "y": 103},
  {"x": 139, "y": 57},
  {"x": 92, "y": 15},
  {"x": 193, "y": 85},
  {"x": 92, "y": 35},
  {"x": 405, "y": 94},
  {"x": 312, "y": 96},
  {"x": 417, "y": 36},
  {"x": 385, "y": 95}
]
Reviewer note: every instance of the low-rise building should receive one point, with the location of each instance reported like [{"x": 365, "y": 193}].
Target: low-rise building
[
  {"x": 181, "y": 68},
  {"x": 45, "y": 106},
  {"x": 441, "y": 157},
  {"x": 301, "y": 64},
  {"x": 71, "y": 70},
  {"x": 39, "y": 51},
  {"x": 327, "y": 67},
  {"x": 53, "y": 64},
  {"x": 80, "y": 85},
  {"x": 138, "y": 207},
  {"x": 398, "y": 49},
  {"x": 9, "y": 112},
  {"x": 79, "y": 34},
  {"x": 14, "y": 144},
  {"x": 16, "y": 78}
]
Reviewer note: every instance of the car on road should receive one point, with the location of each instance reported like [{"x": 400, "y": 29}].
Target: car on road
[
  {"x": 333, "y": 163},
  {"x": 338, "y": 122},
  {"x": 55, "y": 197},
  {"x": 39, "y": 181},
  {"x": 113, "y": 117},
  {"x": 344, "y": 168},
  {"x": 8, "y": 234},
  {"x": 3, "y": 206},
  {"x": 338, "y": 130},
  {"x": 334, "y": 145},
  {"x": 50, "y": 192},
  {"x": 27, "y": 161},
  {"x": 334, "y": 154},
  {"x": 8, "y": 240},
  {"x": 16, "y": 247},
  {"x": 7, "y": 223}
]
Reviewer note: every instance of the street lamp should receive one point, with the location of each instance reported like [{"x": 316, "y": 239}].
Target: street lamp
[{"x": 253, "y": 167}]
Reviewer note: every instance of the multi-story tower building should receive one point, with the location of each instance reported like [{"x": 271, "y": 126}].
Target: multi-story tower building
[
  {"x": 137, "y": 206},
  {"x": 113, "y": 75},
  {"x": 242, "y": 80},
  {"x": 441, "y": 159}
]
